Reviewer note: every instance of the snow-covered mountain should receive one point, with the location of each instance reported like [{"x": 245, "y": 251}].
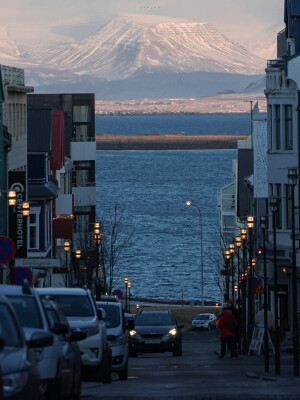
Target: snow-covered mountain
[{"x": 126, "y": 48}]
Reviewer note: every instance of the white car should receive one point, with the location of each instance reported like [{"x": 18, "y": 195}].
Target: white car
[
  {"x": 117, "y": 334},
  {"x": 204, "y": 321},
  {"x": 81, "y": 311}
]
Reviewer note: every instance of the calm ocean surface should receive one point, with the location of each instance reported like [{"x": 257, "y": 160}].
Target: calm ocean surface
[{"x": 151, "y": 187}]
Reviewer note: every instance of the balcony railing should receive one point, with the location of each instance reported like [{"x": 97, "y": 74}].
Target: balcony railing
[{"x": 278, "y": 63}]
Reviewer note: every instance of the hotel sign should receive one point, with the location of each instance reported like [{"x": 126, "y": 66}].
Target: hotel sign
[{"x": 18, "y": 223}]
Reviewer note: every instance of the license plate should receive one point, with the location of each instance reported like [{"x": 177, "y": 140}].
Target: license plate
[{"x": 152, "y": 341}]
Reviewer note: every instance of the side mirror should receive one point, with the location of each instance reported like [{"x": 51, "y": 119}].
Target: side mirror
[
  {"x": 60, "y": 328},
  {"x": 41, "y": 339},
  {"x": 2, "y": 343},
  {"x": 100, "y": 315},
  {"x": 76, "y": 336}
]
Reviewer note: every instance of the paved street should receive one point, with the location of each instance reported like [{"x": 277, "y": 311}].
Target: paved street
[{"x": 200, "y": 374}]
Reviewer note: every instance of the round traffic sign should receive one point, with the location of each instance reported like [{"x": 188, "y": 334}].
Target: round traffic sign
[
  {"x": 7, "y": 249},
  {"x": 20, "y": 274},
  {"x": 118, "y": 293}
]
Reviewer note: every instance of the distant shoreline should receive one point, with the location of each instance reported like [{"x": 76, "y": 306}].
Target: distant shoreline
[{"x": 166, "y": 142}]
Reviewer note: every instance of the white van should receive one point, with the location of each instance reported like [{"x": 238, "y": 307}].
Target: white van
[{"x": 117, "y": 334}]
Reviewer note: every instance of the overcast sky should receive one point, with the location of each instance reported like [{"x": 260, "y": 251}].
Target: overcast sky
[{"x": 245, "y": 21}]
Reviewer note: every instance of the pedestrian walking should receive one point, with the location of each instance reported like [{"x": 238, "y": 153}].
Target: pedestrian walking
[
  {"x": 227, "y": 324},
  {"x": 234, "y": 310}
]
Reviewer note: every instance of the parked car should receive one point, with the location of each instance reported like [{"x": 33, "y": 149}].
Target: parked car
[
  {"x": 117, "y": 334},
  {"x": 30, "y": 311},
  {"x": 204, "y": 321},
  {"x": 155, "y": 331},
  {"x": 18, "y": 359},
  {"x": 80, "y": 309},
  {"x": 71, "y": 360}
]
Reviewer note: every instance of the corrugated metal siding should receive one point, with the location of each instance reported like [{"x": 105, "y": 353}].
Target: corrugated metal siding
[{"x": 39, "y": 129}]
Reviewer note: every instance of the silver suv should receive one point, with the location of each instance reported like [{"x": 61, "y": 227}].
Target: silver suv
[{"x": 81, "y": 311}]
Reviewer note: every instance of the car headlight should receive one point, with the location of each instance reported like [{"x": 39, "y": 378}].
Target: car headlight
[
  {"x": 118, "y": 341},
  {"x": 173, "y": 332},
  {"x": 13, "y": 382},
  {"x": 132, "y": 333},
  {"x": 91, "y": 330}
]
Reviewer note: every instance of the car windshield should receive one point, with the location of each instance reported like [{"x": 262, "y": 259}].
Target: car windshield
[
  {"x": 73, "y": 305},
  {"x": 112, "y": 318},
  {"x": 203, "y": 317},
  {"x": 27, "y": 311},
  {"x": 8, "y": 329},
  {"x": 149, "y": 318}
]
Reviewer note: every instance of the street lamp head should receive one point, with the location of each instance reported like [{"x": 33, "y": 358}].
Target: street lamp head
[
  {"x": 77, "y": 254},
  {"x": 227, "y": 254},
  {"x": 126, "y": 280},
  {"x": 273, "y": 204},
  {"x": 292, "y": 176},
  {"x": 238, "y": 241},
  {"x": 231, "y": 248},
  {"x": 243, "y": 233},
  {"x": 66, "y": 246},
  {"x": 129, "y": 285},
  {"x": 188, "y": 203},
  {"x": 25, "y": 209},
  {"x": 12, "y": 197},
  {"x": 250, "y": 222}
]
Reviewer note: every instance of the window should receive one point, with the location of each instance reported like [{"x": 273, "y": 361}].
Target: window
[
  {"x": 33, "y": 229},
  {"x": 83, "y": 216},
  {"x": 288, "y": 190},
  {"x": 270, "y": 120},
  {"x": 81, "y": 123},
  {"x": 288, "y": 127},
  {"x": 84, "y": 173},
  {"x": 279, "y": 206},
  {"x": 277, "y": 127}
]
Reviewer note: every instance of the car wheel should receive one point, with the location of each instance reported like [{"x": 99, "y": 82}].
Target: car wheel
[
  {"x": 178, "y": 351},
  {"x": 123, "y": 375},
  {"x": 193, "y": 328}
]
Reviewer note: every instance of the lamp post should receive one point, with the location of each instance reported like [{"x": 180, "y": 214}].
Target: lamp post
[
  {"x": 129, "y": 287},
  {"x": 273, "y": 207},
  {"x": 292, "y": 180},
  {"x": 250, "y": 225},
  {"x": 66, "y": 249},
  {"x": 189, "y": 203},
  {"x": 227, "y": 258},
  {"x": 244, "y": 283},
  {"x": 238, "y": 243},
  {"x": 97, "y": 240},
  {"x": 78, "y": 256},
  {"x": 231, "y": 250},
  {"x": 264, "y": 226},
  {"x": 126, "y": 285}
]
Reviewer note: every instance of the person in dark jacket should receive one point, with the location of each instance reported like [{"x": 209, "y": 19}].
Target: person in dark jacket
[
  {"x": 227, "y": 334},
  {"x": 233, "y": 309}
]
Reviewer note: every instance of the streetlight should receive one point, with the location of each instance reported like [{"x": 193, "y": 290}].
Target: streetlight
[
  {"x": 129, "y": 287},
  {"x": 66, "y": 249},
  {"x": 292, "y": 180},
  {"x": 264, "y": 226},
  {"x": 274, "y": 207},
  {"x": 244, "y": 283},
  {"x": 189, "y": 203},
  {"x": 97, "y": 240},
  {"x": 12, "y": 197},
  {"x": 78, "y": 256},
  {"x": 227, "y": 258},
  {"x": 231, "y": 250},
  {"x": 250, "y": 225},
  {"x": 25, "y": 209},
  {"x": 126, "y": 284}
]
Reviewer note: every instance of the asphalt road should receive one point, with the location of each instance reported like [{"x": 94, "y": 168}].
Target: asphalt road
[{"x": 199, "y": 374}]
